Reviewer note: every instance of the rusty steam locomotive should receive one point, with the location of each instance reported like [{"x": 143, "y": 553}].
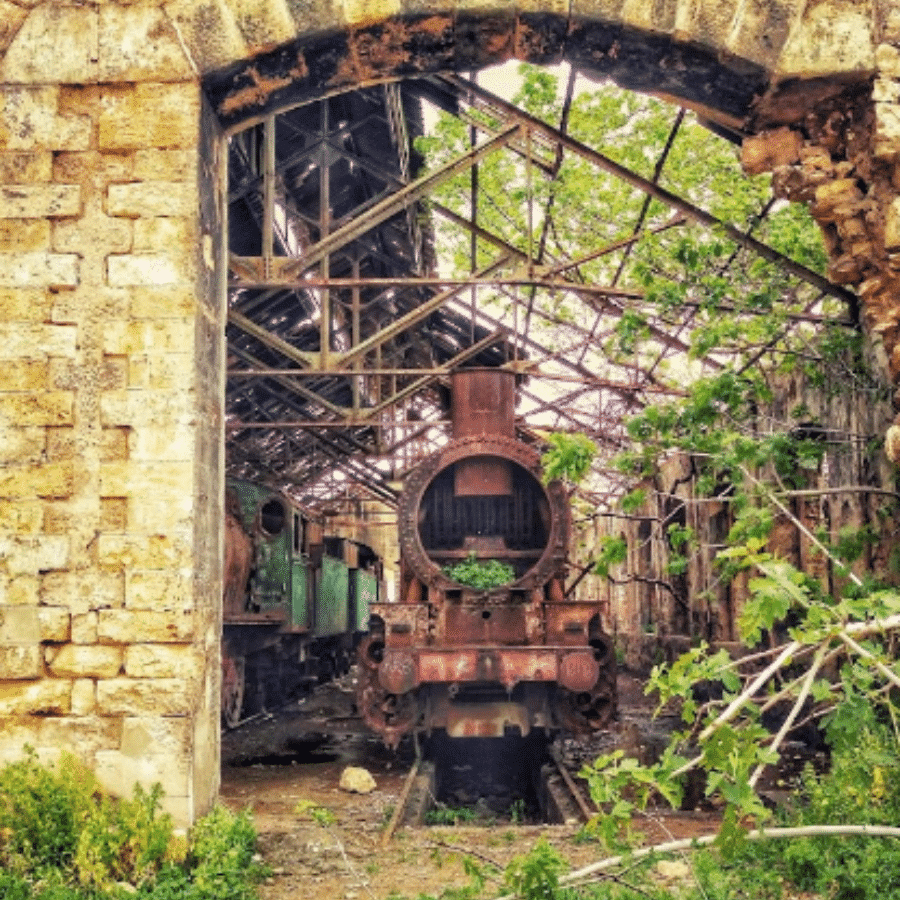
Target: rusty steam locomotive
[{"x": 484, "y": 662}]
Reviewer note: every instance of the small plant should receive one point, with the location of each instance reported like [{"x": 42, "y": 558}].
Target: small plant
[
  {"x": 448, "y": 815},
  {"x": 569, "y": 457},
  {"x": 480, "y": 574}
]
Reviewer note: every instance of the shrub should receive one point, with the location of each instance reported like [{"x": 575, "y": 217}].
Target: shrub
[{"x": 61, "y": 838}]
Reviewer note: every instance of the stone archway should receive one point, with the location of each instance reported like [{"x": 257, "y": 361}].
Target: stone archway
[{"x": 110, "y": 562}]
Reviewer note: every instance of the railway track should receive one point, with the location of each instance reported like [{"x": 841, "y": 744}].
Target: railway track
[{"x": 560, "y": 798}]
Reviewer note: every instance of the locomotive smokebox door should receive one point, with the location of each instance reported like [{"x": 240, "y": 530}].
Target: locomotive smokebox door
[{"x": 484, "y": 402}]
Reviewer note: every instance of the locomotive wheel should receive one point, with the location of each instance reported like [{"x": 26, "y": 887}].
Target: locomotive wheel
[{"x": 233, "y": 668}]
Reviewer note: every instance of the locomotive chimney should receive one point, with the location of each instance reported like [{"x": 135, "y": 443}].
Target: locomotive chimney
[{"x": 483, "y": 404}]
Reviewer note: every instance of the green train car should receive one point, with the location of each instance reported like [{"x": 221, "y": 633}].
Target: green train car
[{"x": 295, "y": 602}]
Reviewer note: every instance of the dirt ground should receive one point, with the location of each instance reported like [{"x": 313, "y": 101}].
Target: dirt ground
[{"x": 272, "y": 766}]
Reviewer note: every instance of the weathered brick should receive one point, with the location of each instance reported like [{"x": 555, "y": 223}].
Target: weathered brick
[
  {"x": 145, "y": 268},
  {"x": 18, "y": 662},
  {"x": 56, "y": 44},
  {"x": 54, "y": 624},
  {"x": 161, "y": 661},
  {"x": 138, "y": 407},
  {"x": 84, "y": 698},
  {"x": 48, "y": 408},
  {"x": 152, "y": 199},
  {"x": 124, "y": 626},
  {"x": 24, "y": 305},
  {"x": 23, "y": 590},
  {"x": 30, "y": 555},
  {"x": 37, "y": 269},
  {"x": 80, "y": 591},
  {"x": 146, "y": 115},
  {"x": 21, "y": 516},
  {"x": 156, "y": 337},
  {"x": 26, "y": 340},
  {"x": 22, "y": 445},
  {"x": 84, "y": 661},
  {"x": 30, "y": 121},
  {"x": 20, "y": 167},
  {"x": 113, "y": 513},
  {"x": 24, "y": 235},
  {"x": 146, "y": 479},
  {"x": 158, "y": 590},
  {"x": 38, "y": 698},
  {"x": 143, "y": 696},
  {"x": 165, "y": 165},
  {"x": 84, "y": 627},
  {"x": 39, "y": 201},
  {"x": 19, "y": 625}
]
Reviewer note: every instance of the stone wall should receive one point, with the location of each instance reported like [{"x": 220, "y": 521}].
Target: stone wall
[
  {"x": 110, "y": 411},
  {"x": 110, "y": 317}
]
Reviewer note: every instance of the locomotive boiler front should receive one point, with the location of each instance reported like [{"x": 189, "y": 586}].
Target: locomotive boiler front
[{"x": 481, "y": 661}]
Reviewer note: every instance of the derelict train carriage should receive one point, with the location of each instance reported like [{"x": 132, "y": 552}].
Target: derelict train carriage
[
  {"x": 484, "y": 662},
  {"x": 295, "y": 602}
]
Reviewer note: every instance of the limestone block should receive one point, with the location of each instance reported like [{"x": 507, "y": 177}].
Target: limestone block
[
  {"x": 24, "y": 305},
  {"x": 23, "y": 590},
  {"x": 57, "y": 43},
  {"x": 54, "y": 624},
  {"x": 892, "y": 226},
  {"x": 887, "y": 131},
  {"x": 118, "y": 774},
  {"x": 80, "y": 591},
  {"x": 84, "y": 699},
  {"x": 158, "y": 591},
  {"x": 138, "y": 42},
  {"x": 48, "y": 697},
  {"x": 125, "y": 626},
  {"x": 84, "y": 627},
  {"x": 150, "y": 336},
  {"x": 156, "y": 735},
  {"x": 768, "y": 150},
  {"x": 162, "y": 302},
  {"x": 51, "y": 270},
  {"x": 887, "y": 60},
  {"x": 161, "y": 661},
  {"x": 134, "y": 408},
  {"x": 892, "y": 444},
  {"x": 24, "y": 235},
  {"x": 150, "y": 115},
  {"x": 156, "y": 551},
  {"x": 22, "y": 445},
  {"x": 31, "y": 341},
  {"x": 760, "y": 30},
  {"x": 145, "y": 268},
  {"x": 174, "y": 444},
  {"x": 113, "y": 514},
  {"x": 264, "y": 23},
  {"x": 92, "y": 233},
  {"x": 144, "y": 696},
  {"x": 209, "y": 31},
  {"x": 834, "y": 36},
  {"x": 19, "y": 625},
  {"x": 162, "y": 479},
  {"x": 39, "y": 201},
  {"x": 29, "y": 121},
  {"x": 19, "y": 662},
  {"x": 835, "y": 199},
  {"x": 160, "y": 372},
  {"x": 21, "y": 167},
  {"x": 886, "y": 90},
  {"x": 12, "y": 15},
  {"x": 29, "y": 555},
  {"x": 21, "y": 516},
  {"x": 49, "y": 408},
  {"x": 165, "y": 165},
  {"x": 707, "y": 22},
  {"x": 84, "y": 661},
  {"x": 153, "y": 199}
]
